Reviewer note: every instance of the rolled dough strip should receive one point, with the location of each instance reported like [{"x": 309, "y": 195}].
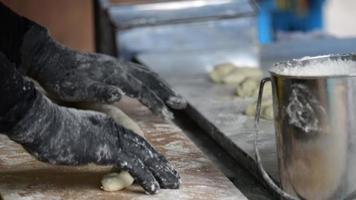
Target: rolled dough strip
[{"x": 114, "y": 112}]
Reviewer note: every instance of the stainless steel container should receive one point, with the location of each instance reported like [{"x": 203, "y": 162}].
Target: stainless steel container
[{"x": 315, "y": 123}]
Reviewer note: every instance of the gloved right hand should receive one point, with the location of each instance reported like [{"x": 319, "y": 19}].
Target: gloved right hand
[
  {"x": 66, "y": 136},
  {"x": 60, "y": 135}
]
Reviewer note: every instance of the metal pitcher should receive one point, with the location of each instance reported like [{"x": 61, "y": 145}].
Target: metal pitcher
[{"x": 315, "y": 123}]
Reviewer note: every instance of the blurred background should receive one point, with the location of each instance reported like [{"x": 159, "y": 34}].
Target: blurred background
[
  {"x": 71, "y": 22},
  {"x": 185, "y": 40}
]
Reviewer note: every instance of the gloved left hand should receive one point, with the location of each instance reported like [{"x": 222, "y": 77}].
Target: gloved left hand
[{"x": 74, "y": 76}]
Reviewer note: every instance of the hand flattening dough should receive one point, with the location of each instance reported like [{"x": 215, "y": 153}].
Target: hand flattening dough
[{"x": 115, "y": 180}]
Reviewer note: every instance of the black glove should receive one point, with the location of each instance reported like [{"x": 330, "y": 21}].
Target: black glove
[
  {"x": 66, "y": 136},
  {"x": 73, "y": 76}
]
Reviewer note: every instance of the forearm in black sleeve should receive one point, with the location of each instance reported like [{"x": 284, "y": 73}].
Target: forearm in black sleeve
[
  {"x": 12, "y": 30},
  {"x": 16, "y": 95}
]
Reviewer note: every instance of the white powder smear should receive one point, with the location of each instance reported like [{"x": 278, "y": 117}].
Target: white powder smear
[{"x": 316, "y": 67}]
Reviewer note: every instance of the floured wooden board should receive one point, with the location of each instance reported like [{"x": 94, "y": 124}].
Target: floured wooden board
[{"x": 22, "y": 177}]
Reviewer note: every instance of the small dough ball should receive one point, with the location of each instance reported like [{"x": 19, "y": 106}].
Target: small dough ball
[
  {"x": 116, "y": 181},
  {"x": 240, "y": 74},
  {"x": 267, "y": 90},
  {"x": 266, "y": 109},
  {"x": 248, "y": 88},
  {"x": 266, "y": 102},
  {"x": 220, "y": 71},
  {"x": 251, "y": 110},
  {"x": 267, "y": 112},
  {"x": 233, "y": 78}
]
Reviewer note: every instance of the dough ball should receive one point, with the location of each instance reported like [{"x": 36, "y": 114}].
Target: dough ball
[
  {"x": 267, "y": 112},
  {"x": 267, "y": 90},
  {"x": 251, "y": 110},
  {"x": 266, "y": 109},
  {"x": 220, "y": 71},
  {"x": 116, "y": 181},
  {"x": 248, "y": 88},
  {"x": 240, "y": 74}
]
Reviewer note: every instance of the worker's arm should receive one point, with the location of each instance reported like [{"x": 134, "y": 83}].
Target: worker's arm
[
  {"x": 66, "y": 136},
  {"x": 70, "y": 75}
]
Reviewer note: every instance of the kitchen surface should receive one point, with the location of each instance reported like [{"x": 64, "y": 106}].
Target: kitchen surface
[
  {"x": 213, "y": 142},
  {"x": 23, "y": 177}
]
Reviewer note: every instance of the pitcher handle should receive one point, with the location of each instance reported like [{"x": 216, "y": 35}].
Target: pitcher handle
[{"x": 265, "y": 175}]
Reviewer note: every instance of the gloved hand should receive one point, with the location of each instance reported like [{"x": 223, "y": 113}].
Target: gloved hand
[
  {"x": 67, "y": 136},
  {"x": 73, "y": 76}
]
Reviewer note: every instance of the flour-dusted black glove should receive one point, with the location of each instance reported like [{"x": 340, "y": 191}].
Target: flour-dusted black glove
[
  {"x": 74, "y": 76},
  {"x": 66, "y": 136}
]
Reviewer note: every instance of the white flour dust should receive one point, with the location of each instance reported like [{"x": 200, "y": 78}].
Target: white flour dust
[{"x": 326, "y": 67}]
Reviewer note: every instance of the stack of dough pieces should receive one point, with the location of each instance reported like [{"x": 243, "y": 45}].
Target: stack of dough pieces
[{"x": 247, "y": 81}]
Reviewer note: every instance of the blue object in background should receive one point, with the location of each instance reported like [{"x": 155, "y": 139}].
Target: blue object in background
[{"x": 272, "y": 19}]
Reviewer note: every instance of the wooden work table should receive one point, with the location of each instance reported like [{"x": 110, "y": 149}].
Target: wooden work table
[{"x": 23, "y": 177}]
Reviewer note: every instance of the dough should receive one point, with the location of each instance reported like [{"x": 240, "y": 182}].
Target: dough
[
  {"x": 267, "y": 112},
  {"x": 240, "y": 74},
  {"x": 116, "y": 181},
  {"x": 251, "y": 110},
  {"x": 114, "y": 112},
  {"x": 220, "y": 71},
  {"x": 266, "y": 109},
  {"x": 250, "y": 88},
  {"x": 228, "y": 73},
  {"x": 267, "y": 90}
]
